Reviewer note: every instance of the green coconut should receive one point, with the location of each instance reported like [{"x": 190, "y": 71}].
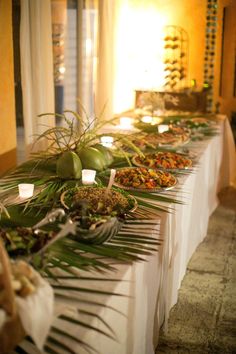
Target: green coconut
[
  {"x": 106, "y": 153},
  {"x": 92, "y": 158},
  {"x": 69, "y": 166}
]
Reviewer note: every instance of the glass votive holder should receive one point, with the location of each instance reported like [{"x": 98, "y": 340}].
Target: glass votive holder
[
  {"x": 26, "y": 190},
  {"x": 163, "y": 128},
  {"x": 107, "y": 141},
  {"x": 88, "y": 177},
  {"x": 146, "y": 119}
]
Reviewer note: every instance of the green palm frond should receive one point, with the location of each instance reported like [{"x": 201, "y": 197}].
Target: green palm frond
[
  {"x": 74, "y": 339},
  {"x": 69, "y": 264}
]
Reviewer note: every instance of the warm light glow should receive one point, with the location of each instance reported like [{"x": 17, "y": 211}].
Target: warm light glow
[
  {"x": 126, "y": 123},
  {"x": 26, "y": 190},
  {"x": 88, "y": 177},
  {"x": 163, "y": 128},
  {"x": 146, "y": 119},
  {"x": 107, "y": 141},
  {"x": 151, "y": 120},
  {"x": 62, "y": 69},
  {"x": 157, "y": 120},
  {"x": 139, "y": 53},
  {"x": 88, "y": 46}
]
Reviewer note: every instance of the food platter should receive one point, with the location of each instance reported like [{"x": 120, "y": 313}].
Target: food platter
[
  {"x": 168, "y": 139},
  {"x": 189, "y": 154},
  {"x": 116, "y": 203},
  {"x": 175, "y": 136},
  {"x": 196, "y": 123},
  {"x": 144, "y": 179},
  {"x": 167, "y": 160},
  {"x": 25, "y": 241},
  {"x": 98, "y": 217}
]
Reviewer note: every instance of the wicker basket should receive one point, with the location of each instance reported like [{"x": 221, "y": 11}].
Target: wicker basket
[{"x": 12, "y": 331}]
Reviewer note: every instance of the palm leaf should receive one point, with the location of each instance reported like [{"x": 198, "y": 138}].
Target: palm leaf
[
  {"x": 64, "y": 260},
  {"x": 75, "y": 339}
]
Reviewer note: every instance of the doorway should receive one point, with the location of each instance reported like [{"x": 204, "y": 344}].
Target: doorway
[{"x": 227, "y": 87}]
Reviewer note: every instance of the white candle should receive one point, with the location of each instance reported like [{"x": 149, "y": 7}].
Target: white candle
[
  {"x": 156, "y": 120},
  {"x": 26, "y": 190},
  {"x": 163, "y": 128},
  {"x": 107, "y": 141},
  {"x": 126, "y": 123},
  {"x": 88, "y": 177},
  {"x": 146, "y": 119},
  {"x": 151, "y": 120}
]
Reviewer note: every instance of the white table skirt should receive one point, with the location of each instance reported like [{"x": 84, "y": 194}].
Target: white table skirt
[
  {"x": 187, "y": 226},
  {"x": 152, "y": 286}
]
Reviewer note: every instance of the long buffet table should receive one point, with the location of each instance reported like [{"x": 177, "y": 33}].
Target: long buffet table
[{"x": 149, "y": 289}]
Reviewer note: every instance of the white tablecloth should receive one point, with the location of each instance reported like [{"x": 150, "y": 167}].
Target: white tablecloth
[
  {"x": 187, "y": 226},
  {"x": 151, "y": 287}
]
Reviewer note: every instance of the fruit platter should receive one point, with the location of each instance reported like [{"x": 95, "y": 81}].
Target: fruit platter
[
  {"x": 164, "y": 160},
  {"x": 144, "y": 179}
]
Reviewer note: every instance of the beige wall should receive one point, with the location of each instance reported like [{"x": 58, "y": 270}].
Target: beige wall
[
  {"x": 7, "y": 98},
  {"x": 140, "y": 41},
  {"x": 191, "y": 16}
]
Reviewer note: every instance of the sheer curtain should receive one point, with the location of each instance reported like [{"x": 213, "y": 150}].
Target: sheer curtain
[
  {"x": 107, "y": 24},
  {"x": 88, "y": 54},
  {"x": 36, "y": 66}
]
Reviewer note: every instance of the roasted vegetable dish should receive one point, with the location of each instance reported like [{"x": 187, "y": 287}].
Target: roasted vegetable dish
[
  {"x": 196, "y": 123},
  {"x": 23, "y": 240},
  {"x": 173, "y": 137},
  {"x": 166, "y": 160},
  {"x": 95, "y": 201},
  {"x": 144, "y": 178}
]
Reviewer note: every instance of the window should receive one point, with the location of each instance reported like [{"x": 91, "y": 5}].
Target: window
[{"x": 74, "y": 31}]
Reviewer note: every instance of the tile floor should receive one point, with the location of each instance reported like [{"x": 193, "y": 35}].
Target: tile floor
[{"x": 204, "y": 318}]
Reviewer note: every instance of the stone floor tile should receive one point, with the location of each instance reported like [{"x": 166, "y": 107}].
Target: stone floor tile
[
  {"x": 232, "y": 268},
  {"x": 233, "y": 250},
  {"x": 204, "y": 319},
  {"x": 227, "y": 199},
  {"x": 227, "y": 316},
  {"x": 210, "y": 262},
  {"x": 196, "y": 311},
  {"x": 220, "y": 228},
  {"x": 203, "y": 285},
  {"x": 178, "y": 350},
  {"x": 225, "y": 343},
  {"x": 186, "y": 336}
]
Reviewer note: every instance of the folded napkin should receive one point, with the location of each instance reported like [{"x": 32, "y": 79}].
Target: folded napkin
[{"x": 36, "y": 311}]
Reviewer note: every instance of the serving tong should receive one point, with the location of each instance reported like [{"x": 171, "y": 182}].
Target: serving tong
[{"x": 68, "y": 227}]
